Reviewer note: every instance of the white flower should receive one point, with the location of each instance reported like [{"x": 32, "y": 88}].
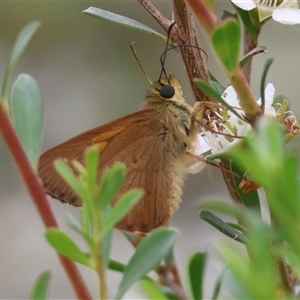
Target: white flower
[
  {"x": 229, "y": 126},
  {"x": 285, "y": 12},
  {"x": 200, "y": 147}
]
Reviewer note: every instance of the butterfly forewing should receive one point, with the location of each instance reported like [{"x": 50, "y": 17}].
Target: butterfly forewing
[{"x": 144, "y": 155}]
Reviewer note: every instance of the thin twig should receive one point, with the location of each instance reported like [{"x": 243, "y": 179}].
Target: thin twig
[
  {"x": 156, "y": 14},
  {"x": 36, "y": 190}
]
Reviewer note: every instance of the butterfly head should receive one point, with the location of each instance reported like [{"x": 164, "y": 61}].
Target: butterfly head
[{"x": 167, "y": 88}]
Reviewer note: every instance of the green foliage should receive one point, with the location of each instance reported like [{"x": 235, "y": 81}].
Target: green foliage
[
  {"x": 27, "y": 116},
  {"x": 150, "y": 252},
  {"x": 222, "y": 226},
  {"x": 40, "y": 287},
  {"x": 64, "y": 245},
  {"x": 267, "y": 66},
  {"x": 253, "y": 52},
  {"x": 121, "y": 20},
  {"x": 196, "y": 274},
  {"x": 20, "y": 45},
  {"x": 226, "y": 42},
  {"x": 269, "y": 245}
]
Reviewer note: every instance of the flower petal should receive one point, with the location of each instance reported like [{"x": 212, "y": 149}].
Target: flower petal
[
  {"x": 197, "y": 167},
  {"x": 245, "y": 5},
  {"x": 201, "y": 145},
  {"x": 287, "y": 16},
  {"x": 230, "y": 96},
  {"x": 269, "y": 98},
  {"x": 288, "y": 4}
]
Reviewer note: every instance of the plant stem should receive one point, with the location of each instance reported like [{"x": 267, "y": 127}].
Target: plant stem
[
  {"x": 36, "y": 190},
  {"x": 99, "y": 256},
  {"x": 101, "y": 272},
  {"x": 249, "y": 44}
]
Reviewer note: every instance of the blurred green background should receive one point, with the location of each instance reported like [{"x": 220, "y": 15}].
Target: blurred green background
[{"x": 88, "y": 76}]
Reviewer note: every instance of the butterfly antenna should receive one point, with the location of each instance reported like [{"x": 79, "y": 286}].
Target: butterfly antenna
[
  {"x": 139, "y": 62},
  {"x": 164, "y": 54}
]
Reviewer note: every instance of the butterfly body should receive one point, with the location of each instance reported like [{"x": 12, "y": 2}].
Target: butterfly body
[{"x": 153, "y": 143}]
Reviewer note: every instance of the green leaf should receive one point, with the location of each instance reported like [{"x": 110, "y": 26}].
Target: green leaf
[
  {"x": 39, "y": 290},
  {"x": 121, "y": 20},
  {"x": 226, "y": 43},
  {"x": 225, "y": 208},
  {"x": 19, "y": 47},
  {"x": 267, "y": 66},
  {"x": 91, "y": 158},
  {"x": 27, "y": 116},
  {"x": 111, "y": 181},
  {"x": 72, "y": 222},
  {"x": 150, "y": 252},
  {"x": 212, "y": 93},
  {"x": 244, "y": 15},
  {"x": 152, "y": 290},
  {"x": 67, "y": 174},
  {"x": 196, "y": 274},
  {"x": 219, "y": 88},
  {"x": 121, "y": 208},
  {"x": 221, "y": 226},
  {"x": 253, "y": 52},
  {"x": 64, "y": 245},
  {"x": 107, "y": 245},
  {"x": 116, "y": 266},
  {"x": 218, "y": 285}
]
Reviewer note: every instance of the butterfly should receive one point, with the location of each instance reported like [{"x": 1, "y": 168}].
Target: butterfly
[{"x": 155, "y": 143}]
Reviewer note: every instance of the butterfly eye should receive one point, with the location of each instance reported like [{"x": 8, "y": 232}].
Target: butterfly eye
[{"x": 167, "y": 91}]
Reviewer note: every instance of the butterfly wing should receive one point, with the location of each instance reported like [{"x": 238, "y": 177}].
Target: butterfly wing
[{"x": 137, "y": 141}]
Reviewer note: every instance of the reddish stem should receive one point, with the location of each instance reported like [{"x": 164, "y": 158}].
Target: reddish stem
[
  {"x": 36, "y": 190},
  {"x": 204, "y": 15}
]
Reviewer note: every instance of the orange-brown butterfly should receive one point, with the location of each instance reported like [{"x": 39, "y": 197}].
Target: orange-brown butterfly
[{"x": 154, "y": 143}]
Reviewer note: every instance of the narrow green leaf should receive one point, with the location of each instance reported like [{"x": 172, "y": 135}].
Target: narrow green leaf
[
  {"x": 64, "y": 245},
  {"x": 267, "y": 66},
  {"x": 212, "y": 77},
  {"x": 212, "y": 93},
  {"x": 72, "y": 222},
  {"x": 245, "y": 17},
  {"x": 121, "y": 208},
  {"x": 221, "y": 226},
  {"x": 226, "y": 43},
  {"x": 152, "y": 290},
  {"x": 219, "y": 88},
  {"x": 40, "y": 287},
  {"x": 239, "y": 227},
  {"x": 111, "y": 181},
  {"x": 223, "y": 207},
  {"x": 253, "y": 52},
  {"x": 121, "y": 20},
  {"x": 218, "y": 285},
  {"x": 67, "y": 174},
  {"x": 27, "y": 116},
  {"x": 19, "y": 47},
  {"x": 196, "y": 274},
  {"x": 107, "y": 245},
  {"x": 116, "y": 266},
  {"x": 91, "y": 157},
  {"x": 150, "y": 252}
]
